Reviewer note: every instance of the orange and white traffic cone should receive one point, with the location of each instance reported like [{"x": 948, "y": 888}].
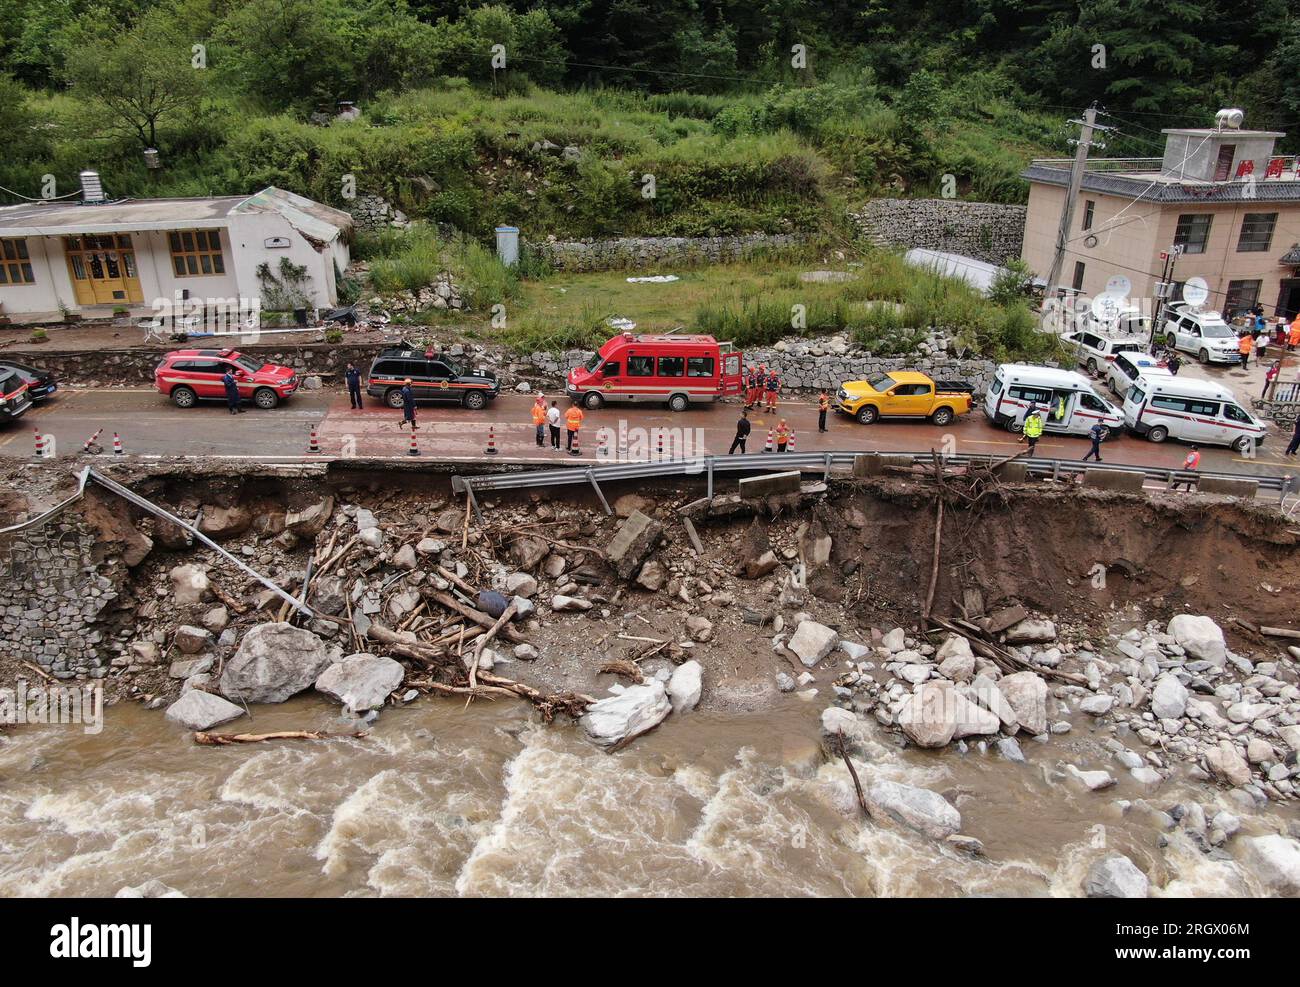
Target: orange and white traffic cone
[
  {"x": 414, "y": 450},
  {"x": 90, "y": 442},
  {"x": 491, "y": 449},
  {"x": 117, "y": 445},
  {"x": 771, "y": 438},
  {"x": 313, "y": 444}
]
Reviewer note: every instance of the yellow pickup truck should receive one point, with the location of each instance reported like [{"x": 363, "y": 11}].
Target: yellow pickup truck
[{"x": 903, "y": 394}]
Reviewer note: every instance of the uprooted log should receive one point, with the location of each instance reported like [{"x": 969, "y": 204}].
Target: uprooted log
[
  {"x": 472, "y": 614},
  {"x": 488, "y": 686},
  {"x": 225, "y": 739},
  {"x": 425, "y": 654},
  {"x": 853, "y": 773}
]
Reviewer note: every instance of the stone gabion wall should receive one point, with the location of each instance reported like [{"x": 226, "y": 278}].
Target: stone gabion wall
[
  {"x": 372, "y": 212},
  {"x": 987, "y": 231},
  {"x": 641, "y": 253},
  {"x": 52, "y": 596}
]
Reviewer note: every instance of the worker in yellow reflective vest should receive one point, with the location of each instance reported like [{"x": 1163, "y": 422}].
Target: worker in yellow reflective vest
[{"x": 1033, "y": 429}]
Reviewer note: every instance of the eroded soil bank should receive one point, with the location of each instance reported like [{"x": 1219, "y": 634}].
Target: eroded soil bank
[{"x": 441, "y": 797}]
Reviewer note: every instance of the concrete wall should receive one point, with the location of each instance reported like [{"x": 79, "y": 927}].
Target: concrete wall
[{"x": 987, "y": 231}]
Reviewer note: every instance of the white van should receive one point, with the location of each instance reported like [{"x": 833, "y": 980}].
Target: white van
[
  {"x": 1069, "y": 402},
  {"x": 1198, "y": 411},
  {"x": 1128, "y": 367},
  {"x": 1201, "y": 333}
]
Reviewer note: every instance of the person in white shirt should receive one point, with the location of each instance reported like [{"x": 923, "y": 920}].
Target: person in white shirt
[{"x": 553, "y": 420}]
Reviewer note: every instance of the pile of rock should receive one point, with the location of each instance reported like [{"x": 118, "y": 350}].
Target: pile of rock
[
  {"x": 444, "y": 294},
  {"x": 1177, "y": 690}
]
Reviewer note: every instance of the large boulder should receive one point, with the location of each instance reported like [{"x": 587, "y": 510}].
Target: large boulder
[
  {"x": 1168, "y": 698},
  {"x": 971, "y": 720},
  {"x": 632, "y": 544},
  {"x": 189, "y": 585},
  {"x": 628, "y": 713},
  {"x": 685, "y": 686},
  {"x": 191, "y": 640},
  {"x": 361, "y": 682},
  {"x": 274, "y": 662},
  {"x": 1031, "y": 630},
  {"x": 1115, "y": 876},
  {"x": 198, "y": 710},
  {"x": 929, "y": 716},
  {"x": 1200, "y": 637},
  {"x": 1026, "y": 693},
  {"x": 529, "y": 552},
  {"x": 1226, "y": 763},
  {"x": 1275, "y": 860},
  {"x": 921, "y": 809},
  {"x": 813, "y": 641},
  {"x": 309, "y": 522},
  {"x": 225, "y": 522}
]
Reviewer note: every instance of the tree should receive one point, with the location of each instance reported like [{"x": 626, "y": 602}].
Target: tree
[
  {"x": 283, "y": 53},
  {"x": 135, "y": 79}
]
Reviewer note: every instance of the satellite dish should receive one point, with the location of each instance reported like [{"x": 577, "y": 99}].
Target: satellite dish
[
  {"x": 1107, "y": 307},
  {"x": 1195, "y": 292},
  {"x": 1119, "y": 286}
]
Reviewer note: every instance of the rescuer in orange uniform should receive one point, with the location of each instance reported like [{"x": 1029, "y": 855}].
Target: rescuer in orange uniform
[
  {"x": 782, "y": 436},
  {"x": 823, "y": 406},
  {"x": 539, "y": 419},
  {"x": 573, "y": 421}
]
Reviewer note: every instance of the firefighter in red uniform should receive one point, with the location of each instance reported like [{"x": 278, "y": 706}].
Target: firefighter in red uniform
[
  {"x": 773, "y": 390},
  {"x": 755, "y": 386}
]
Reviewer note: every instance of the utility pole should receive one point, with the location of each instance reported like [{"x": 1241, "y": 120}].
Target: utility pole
[{"x": 1088, "y": 125}]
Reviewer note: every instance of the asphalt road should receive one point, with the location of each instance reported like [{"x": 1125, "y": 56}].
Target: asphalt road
[{"x": 151, "y": 426}]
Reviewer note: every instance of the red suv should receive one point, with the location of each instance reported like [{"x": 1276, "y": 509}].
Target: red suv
[{"x": 187, "y": 376}]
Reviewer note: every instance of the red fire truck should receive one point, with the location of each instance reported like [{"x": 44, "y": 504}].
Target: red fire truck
[{"x": 679, "y": 370}]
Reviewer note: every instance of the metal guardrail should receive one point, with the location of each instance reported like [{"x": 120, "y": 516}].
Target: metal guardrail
[{"x": 824, "y": 461}]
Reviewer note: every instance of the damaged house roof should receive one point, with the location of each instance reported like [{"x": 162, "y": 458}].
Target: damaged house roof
[{"x": 318, "y": 223}]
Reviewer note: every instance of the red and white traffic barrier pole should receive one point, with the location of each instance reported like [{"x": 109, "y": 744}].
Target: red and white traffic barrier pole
[
  {"x": 117, "y": 445},
  {"x": 85, "y": 446}
]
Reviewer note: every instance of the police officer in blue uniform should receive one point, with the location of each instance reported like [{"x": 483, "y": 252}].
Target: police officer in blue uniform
[
  {"x": 353, "y": 377},
  {"x": 408, "y": 405},
  {"x": 232, "y": 393}
]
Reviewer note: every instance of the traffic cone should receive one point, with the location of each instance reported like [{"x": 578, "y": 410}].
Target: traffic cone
[
  {"x": 85, "y": 446},
  {"x": 575, "y": 451},
  {"x": 771, "y": 438},
  {"x": 117, "y": 445},
  {"x": 789, "y": 446},
  {"x": 491, "y": 449},
  {"x": 414, "y": 450},
  {"x": 602, "y": 445},
  {"x": 313, "y": 445},
  {"x": 660, "y": 453},
  {"x": 42, "y": 445}
]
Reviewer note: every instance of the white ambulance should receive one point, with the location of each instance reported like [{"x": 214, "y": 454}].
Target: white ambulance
[
  {"x": 1070, "y": 403},
  {"x": 1199, "y": 411}
]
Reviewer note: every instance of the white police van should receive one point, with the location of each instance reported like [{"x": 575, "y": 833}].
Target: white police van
[
  {"x": 1128, "y": 367},
  {"x": 1069, "y": 402},
  {"x": 1199, "y": 411}
]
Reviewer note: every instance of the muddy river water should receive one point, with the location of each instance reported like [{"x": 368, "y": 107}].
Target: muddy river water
[{"x": 443, "y": 800}]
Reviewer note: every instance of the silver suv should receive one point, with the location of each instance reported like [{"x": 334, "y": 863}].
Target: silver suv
[{"x": 1201, "y": 333}]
